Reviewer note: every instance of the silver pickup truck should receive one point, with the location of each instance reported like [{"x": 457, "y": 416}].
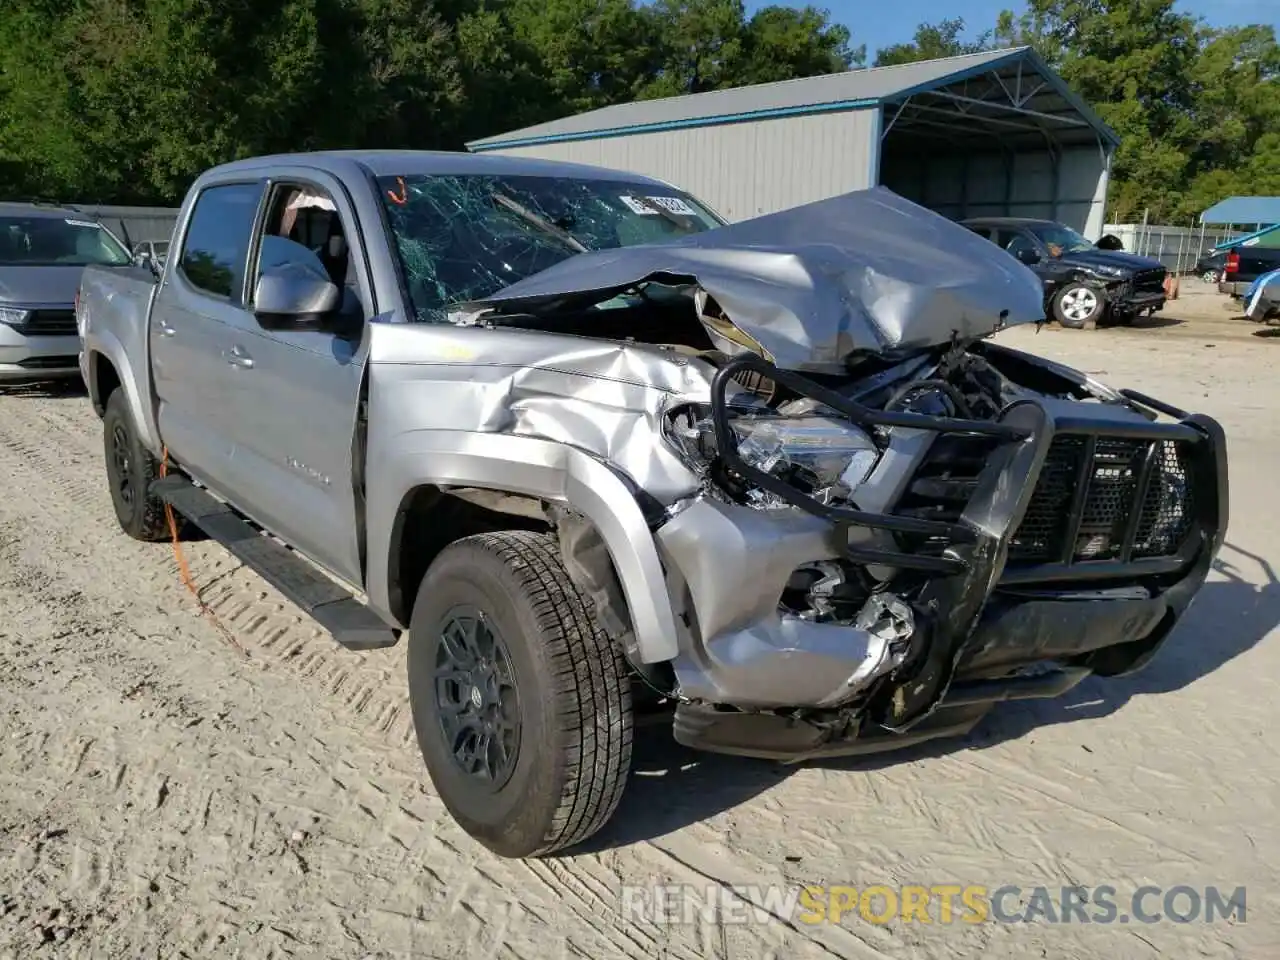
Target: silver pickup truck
[{"x": 607, "y": 458}]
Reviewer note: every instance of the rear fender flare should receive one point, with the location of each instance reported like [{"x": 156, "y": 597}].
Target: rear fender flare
[
  {"x": 550, "y": 471},
  {"x": 105, "y": 344}
]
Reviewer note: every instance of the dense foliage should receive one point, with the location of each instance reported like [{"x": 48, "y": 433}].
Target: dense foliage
[{"x": 125, "y": 100}]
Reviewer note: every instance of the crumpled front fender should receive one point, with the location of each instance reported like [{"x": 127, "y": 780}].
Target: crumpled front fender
[{"x": 544, "y": 469}]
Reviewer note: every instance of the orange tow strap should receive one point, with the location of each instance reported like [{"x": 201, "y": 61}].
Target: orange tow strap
[{"x": 185, "y": 570}]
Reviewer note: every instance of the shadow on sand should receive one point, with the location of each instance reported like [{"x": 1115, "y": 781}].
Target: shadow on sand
[
  {"x": 1146, "y": 323},
  {"x": 672, "y": 787},
  {"x": 47, "y": 389}
]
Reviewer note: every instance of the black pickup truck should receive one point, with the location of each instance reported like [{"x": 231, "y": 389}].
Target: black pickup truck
[
  {"x": 1249, "y": 259},
  {"x": 1082, "y": 283}
]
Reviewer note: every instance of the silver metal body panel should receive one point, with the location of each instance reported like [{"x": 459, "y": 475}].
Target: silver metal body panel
[{"x": 732, "y": 563}]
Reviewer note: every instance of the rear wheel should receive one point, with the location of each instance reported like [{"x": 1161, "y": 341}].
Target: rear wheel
[
  {"x": 130, "y": 471},
  {"x": 1078, "y": 304},
  {"x": 521, "y": 703}
]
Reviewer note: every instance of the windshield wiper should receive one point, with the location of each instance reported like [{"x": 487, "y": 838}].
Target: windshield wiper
[{"x": 546, "y": 226}]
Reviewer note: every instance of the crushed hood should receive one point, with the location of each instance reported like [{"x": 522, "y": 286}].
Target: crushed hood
[{"x": 865, "y": 272}]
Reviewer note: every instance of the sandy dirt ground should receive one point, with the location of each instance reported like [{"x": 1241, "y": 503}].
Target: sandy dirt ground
[{"x": 172, "y": 789}]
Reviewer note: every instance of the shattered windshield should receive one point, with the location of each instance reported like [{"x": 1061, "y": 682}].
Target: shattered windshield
[
  {"x": 465, "y": 237},
  {"x": 1061, "y": 239}
]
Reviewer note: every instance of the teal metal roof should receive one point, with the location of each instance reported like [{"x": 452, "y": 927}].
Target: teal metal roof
[{"x": 1244, "y": 210}]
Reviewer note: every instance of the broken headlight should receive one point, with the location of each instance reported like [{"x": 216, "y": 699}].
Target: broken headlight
[{"x": 824, "y": 457}]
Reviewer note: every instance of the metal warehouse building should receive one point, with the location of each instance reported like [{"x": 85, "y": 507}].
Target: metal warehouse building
[{"x": 988, "y": 134}]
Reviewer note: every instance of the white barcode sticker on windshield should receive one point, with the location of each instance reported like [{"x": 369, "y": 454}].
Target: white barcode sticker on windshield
[
  {"x": 674, "y": 204},
  {"x": 637, "y": 207}
]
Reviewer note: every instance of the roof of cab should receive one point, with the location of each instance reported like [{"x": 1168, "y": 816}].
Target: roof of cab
[
  {"x": 1011, "y": 221},
  {"x": 383, "y": 163}
]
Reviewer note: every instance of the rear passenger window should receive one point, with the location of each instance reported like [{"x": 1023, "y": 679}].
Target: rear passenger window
[
  {"x": 983, "y": 232},
  {"x": 217, "y": 242}
]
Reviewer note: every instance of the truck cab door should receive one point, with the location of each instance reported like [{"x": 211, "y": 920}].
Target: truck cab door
[
  {"x": 298, "y": 379},
  {"x": 199, "y": 299}
]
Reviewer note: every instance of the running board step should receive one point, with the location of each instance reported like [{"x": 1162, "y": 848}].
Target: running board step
[{"x": 352, "y": 624}]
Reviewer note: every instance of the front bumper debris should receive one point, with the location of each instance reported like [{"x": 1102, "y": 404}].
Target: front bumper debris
[{"x": 1003, "y": 593}]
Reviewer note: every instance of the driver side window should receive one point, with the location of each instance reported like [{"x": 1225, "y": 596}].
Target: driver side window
[
  {"x": 1019, "y": 245},
  {"x": 304, "y": 228}
]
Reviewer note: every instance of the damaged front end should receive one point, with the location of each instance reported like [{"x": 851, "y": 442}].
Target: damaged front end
[
  {"x": 857, "y": 577},
  {"x": 890, "y": 522}
]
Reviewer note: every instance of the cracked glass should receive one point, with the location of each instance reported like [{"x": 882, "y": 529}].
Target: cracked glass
[{"x": 464, "y": 237}]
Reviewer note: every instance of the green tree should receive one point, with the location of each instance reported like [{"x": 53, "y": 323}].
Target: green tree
[
  {"x": 709, "y": 45},
  {"x": 128, "y": 100},
  {"x": 781, "y": 43},
  {"x": 932, "y": 41}
]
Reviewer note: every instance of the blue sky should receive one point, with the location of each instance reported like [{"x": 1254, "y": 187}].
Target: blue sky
[{"x": 877, "y": 30}]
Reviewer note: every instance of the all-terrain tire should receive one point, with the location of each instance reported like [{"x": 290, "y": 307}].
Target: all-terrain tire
[
  {"x": 131, "y": 469},
  {"x": 570, "y": 679},
  {"x": 1067, "y": 301}
]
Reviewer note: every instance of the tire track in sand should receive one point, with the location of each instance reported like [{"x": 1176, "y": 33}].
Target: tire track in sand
[{"x": 368, "y": 687}]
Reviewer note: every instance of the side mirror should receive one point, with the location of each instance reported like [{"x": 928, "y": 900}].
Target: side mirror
[
  {"x": 142, "y": 258},
  {"x": 292, "y": 294},
  {"x": 293, "y": 288}
]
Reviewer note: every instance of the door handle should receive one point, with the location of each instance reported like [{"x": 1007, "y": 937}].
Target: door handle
[{"x": 238, "y": 357}]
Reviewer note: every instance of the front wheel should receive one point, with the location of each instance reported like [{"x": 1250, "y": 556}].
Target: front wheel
[
  {"x": 1076, "y": 305},
  {"x": 521, "y": 703}
]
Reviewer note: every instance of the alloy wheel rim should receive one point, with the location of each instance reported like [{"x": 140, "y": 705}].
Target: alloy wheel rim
[
  {"x": 1079, "y": 304},
  {"x": 123, "y": 464},
  {"x": 477, "y": 703}
]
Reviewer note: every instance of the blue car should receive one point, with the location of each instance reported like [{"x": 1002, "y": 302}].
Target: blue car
[{"x": 1262, "y": 298}]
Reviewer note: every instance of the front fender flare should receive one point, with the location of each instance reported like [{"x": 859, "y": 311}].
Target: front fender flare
[{"x": 537, "y": 468}]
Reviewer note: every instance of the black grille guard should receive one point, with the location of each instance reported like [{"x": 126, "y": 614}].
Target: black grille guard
[{"x": 973, "y": 564}]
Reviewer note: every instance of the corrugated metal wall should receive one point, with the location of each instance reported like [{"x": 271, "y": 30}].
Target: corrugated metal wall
[
  {"x": 745, "y": 169},
  {"x": 959, "y": 184}
]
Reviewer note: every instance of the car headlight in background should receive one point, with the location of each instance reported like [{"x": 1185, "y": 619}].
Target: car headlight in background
[
  {"x": 824, "y": 457},
  {"x": 13, "y": 316},
  {"x": 1105, "y": 270}
]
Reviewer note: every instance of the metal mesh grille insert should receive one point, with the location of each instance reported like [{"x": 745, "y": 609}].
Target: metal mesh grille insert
[
  {"x": 1169, "y": 505},
  {"x": 1095, "y": 528}
]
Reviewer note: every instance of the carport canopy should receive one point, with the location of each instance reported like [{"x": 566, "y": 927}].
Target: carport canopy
[
  {"x": 996, "y": 134},
  {"x": 1262, "y": 211}
]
